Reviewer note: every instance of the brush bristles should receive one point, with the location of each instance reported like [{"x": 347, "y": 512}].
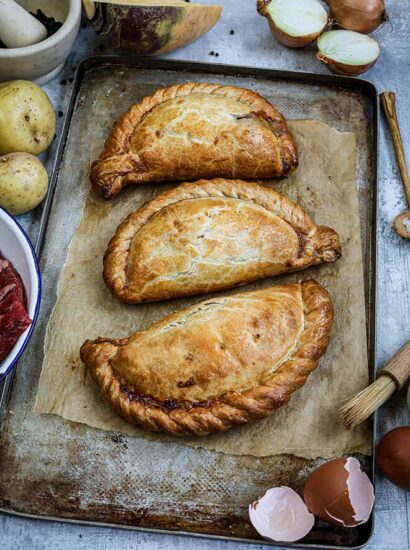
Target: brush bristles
[{"x": 363, "y": 405}]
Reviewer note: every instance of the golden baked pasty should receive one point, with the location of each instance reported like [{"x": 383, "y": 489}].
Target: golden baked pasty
[
  {"x": 211, "y": 235},
  {"x": 225, "y": 361},
  {"x": 192, "y": 131}
]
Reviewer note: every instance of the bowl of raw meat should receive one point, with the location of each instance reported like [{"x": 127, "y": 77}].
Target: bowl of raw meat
[{"x": 20, "y": 291}]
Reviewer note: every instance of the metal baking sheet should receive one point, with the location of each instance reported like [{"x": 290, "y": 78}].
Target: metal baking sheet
[{"x": 51, "y": 468}]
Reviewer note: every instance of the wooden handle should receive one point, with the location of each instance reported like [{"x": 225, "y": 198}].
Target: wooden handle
[
  {"x": 388, "y": 101},
  {"x": 398, "y": 367}
]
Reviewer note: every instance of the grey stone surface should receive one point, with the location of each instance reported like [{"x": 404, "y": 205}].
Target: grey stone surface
[{"x": 252, "y": 44}]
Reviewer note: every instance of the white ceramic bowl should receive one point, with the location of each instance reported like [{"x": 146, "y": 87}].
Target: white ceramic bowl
[
  {"x": 16, "y": 247},
  {"x": 43, "y": 61}
]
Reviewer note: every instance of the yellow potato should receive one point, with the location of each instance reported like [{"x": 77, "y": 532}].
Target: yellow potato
[
  {"x": 27, "y": 118},
  {"x": 23, "y": 182}
]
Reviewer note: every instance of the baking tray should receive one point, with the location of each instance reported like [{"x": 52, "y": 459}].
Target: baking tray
[{"x": 54, "y": 469}]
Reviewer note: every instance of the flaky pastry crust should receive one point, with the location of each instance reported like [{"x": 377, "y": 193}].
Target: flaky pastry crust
[
  {"x": 220, "y": 363},
  {"x": 212, "y": 235},
  {"x": 195, "y": 130}
]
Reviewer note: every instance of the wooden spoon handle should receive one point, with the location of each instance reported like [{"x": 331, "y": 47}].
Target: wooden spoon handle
[
  {"x": 398, "y": 367},
  {"x": 388, "y": 101}
]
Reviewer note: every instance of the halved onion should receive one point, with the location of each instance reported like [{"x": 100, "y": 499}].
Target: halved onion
[
  {"x": 294, "y": 23},
  {"x": 358, "y": 15},
  {"x": 347, "y": 52}
]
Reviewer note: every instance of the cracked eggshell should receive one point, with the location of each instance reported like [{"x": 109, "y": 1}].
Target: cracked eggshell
[
  {"x": 280, "y": 515},
  {"x": 340, "y": 493}
]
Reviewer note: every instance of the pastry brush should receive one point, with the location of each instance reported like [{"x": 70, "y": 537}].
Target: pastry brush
[{"x": 391, "y": 377}]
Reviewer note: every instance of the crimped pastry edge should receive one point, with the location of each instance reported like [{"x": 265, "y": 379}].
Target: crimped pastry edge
[
  {"x": 231, "y": 408},
  {"x": 116, "y": 256},
  {"x": 115, "y": 164}
]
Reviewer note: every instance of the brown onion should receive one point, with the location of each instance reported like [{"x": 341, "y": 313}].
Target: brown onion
[
  {"x": 347, "y": 52},
  {"x": 294, "y": 23},
  {"x": 358, "y": 15}
]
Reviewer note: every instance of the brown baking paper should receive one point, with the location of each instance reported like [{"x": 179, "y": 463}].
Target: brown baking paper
[{"x": 308, "y": 426}]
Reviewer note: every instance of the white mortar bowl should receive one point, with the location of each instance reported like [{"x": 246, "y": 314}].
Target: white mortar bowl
[
  {"x": 43, "y": 61},
  {"x": 16, "y": 247}
]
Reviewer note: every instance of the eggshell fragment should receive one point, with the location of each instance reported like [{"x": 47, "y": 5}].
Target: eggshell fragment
[
  {"x": 340, "y": 493},
  {"x": 393, "y": 456},
  {"x": 280, "y": 515}
]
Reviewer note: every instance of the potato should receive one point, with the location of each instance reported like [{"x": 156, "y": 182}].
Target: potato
[
  {"x": 23, "y": 182},
  {"x": 27, "y": 118}
]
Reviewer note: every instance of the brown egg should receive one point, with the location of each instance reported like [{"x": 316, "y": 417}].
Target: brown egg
[
  {"x": 393, "y": 456},
  {"x": 340, "y": 493}
]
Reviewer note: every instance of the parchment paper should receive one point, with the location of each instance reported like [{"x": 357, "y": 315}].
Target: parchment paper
[{"x": 308, "y": 426}]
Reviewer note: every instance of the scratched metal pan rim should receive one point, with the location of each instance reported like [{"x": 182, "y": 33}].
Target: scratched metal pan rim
[
  {"x": 261, "y": 542},
  {"x": 308, "y": 83}
]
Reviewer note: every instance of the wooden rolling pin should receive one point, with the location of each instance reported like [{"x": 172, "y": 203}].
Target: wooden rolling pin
[
  {"x": 18, "y": 28},
  {"x": 391, "y": 377}
]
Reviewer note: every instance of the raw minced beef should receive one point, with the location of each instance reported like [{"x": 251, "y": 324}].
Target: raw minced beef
[
  {"x": 9, "y": 276},
  {"x": 13, "y": 314}
]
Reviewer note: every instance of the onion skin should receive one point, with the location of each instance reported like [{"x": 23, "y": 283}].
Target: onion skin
[
  {"x": 343, "y": 68},
  {"x": 362, "y": 16},
  {"x": 261, "y": 7},
  {"x": 282, "y": 37}
]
